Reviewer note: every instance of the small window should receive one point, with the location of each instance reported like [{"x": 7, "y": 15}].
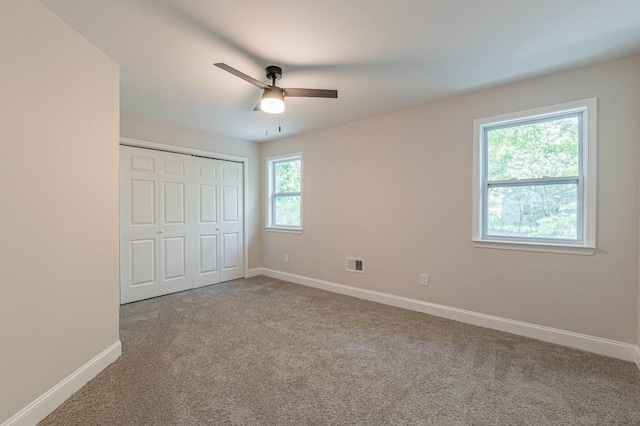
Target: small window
[
  {"x": 285, "y": 192},
  {"x": 535, "y": 179}
]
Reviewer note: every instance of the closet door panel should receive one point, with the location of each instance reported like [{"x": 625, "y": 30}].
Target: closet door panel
[
  {"x": 175, "y": 224},
  {"x": 231, "y": 225},
  {"x": 143, "y": 262},
  {"x": 139, "y": 278},
  {"x": 154, "y": 223},
  {"x": 207, "y": 224},
  {"x": 208, "y": 253}
]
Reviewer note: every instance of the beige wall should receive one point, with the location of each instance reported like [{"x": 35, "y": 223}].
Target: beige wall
[
  {"x": 59, "y": 180},
  {"x": 396, "y": 190},
  {"x": 148, "y": 129}
]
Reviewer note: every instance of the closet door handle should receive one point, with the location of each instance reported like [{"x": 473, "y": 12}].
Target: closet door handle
[{"x": 161, "y": 231}]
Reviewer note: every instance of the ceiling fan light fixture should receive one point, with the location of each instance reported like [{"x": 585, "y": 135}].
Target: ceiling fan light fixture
[{"x": 272, "y": 100}]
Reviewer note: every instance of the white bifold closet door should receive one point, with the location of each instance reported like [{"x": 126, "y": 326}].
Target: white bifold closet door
[
  {"x": 181, "y": 222},
  {"x": 218, "y": 222}
]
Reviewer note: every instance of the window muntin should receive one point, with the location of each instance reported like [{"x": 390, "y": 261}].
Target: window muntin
[
  {"x": 535, "y": 177},
  {"x": 285, "y": 189}
]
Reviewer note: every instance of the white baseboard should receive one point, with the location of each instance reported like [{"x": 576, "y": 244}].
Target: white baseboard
[
  {"x": 638, "y": 356},
  {"x": 54, "y": 397},
  {"x": 253, "y": 272},
  {"x": 598, "y": 345}
]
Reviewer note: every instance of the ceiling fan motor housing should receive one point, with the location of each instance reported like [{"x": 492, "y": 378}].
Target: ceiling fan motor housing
[{"x": 274, "y": 72}]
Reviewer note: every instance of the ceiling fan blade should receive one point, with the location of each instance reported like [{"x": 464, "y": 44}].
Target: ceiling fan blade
[
  {"x": 241, "y": 75},
  {"x": 257, "y": 108},
  {"x": 310, "y": 93}
]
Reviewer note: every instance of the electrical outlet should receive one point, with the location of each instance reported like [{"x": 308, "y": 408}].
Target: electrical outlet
[
  {"x": 424, "y": 280},
  {"x": 286, "y": 258}
]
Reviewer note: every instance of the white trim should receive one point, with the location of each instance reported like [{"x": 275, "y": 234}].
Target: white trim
[
  {"x": 253, "y": 272},
  {"x": 284, "y": 156},
  {"x": 54, "y": 397},
  {"x": 283, "y": 230},
  {"x": 638, "y": 357},
  {"x": 210, "y": 154},
  {"x": 589, "y": 108},
  {"x": 546, "y": 248},
  {"x": 181, "y": 149},
  {"x": 598, "y": 345},
  {"x": 245, "y": 225}
]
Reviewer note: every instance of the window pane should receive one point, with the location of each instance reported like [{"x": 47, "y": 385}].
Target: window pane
[
  {"x": 287, "y": 175},
  {"x": 287, "y": 210},
  {"x": 537, "y": 211},
  {"x": 544, "y": 149}
]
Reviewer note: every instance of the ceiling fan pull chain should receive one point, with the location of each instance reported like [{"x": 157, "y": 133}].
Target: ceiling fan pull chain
[{"x": 279, "y": 126}]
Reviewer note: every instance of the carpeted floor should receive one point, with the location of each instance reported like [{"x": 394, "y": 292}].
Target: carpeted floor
[{"x": 266, "y": 352}]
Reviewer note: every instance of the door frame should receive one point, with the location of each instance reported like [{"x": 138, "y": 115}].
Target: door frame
[{"x": 137, "y": 143}]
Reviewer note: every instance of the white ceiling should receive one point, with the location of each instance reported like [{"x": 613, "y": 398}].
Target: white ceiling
[{"x": 381, "y": 55}]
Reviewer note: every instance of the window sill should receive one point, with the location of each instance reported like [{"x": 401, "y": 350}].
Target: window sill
[
  {"x": 526, "y": 246},
  {"x": 283, "y": 230}
]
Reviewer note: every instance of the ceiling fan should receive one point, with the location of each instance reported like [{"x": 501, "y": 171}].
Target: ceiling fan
[{"x": 273, "y": 96}]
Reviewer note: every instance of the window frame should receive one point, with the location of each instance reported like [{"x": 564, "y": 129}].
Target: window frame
[
  {"x": 586, "y": 180},
  {"x": 272, "y": 195}
]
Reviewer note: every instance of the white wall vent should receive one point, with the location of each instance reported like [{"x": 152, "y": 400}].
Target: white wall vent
[{"x": 355, "y": 264}]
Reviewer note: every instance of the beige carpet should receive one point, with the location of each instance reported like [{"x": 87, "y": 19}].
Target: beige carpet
[{"x": 266, "y": 352}]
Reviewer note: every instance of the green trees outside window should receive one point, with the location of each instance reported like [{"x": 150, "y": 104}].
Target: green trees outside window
[
  {"x": 286, "y": 192},
  {"x": 532, "y": 176}
]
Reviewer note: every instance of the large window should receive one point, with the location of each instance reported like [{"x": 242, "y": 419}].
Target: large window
[
  {"x": 285, "y": 192},
  {"x": 535, "y": 179}
]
